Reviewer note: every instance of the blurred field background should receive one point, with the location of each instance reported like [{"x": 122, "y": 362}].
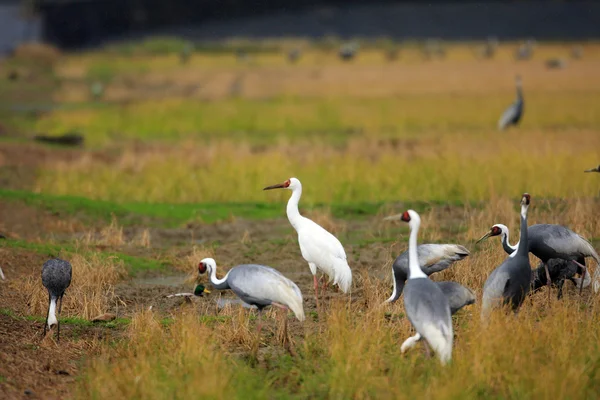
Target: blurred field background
[{"x": 176, "y": 153}]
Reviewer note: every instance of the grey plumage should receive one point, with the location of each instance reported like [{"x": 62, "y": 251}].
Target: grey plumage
[
  {"x": 512, "y": 115},
  {"x": 432, "y": 258},
  {"x": 56, "y": 278},
  {"x": 510, "y": 282},
  {"x": 597, "y": 169},
  {"x": 458, "y": 295},
  {"x": 560, "y": 271},
  {"x": 258, "y": 285}
]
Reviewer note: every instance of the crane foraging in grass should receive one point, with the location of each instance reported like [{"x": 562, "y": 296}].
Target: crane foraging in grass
[
  {"x": 319, "y": 248},
  {"x": 257, "y": 285},
  {"x": 512, "y": 115},
  {"x": 549, "y": 241},
  {"x": 426, "y": 306},
  {"x": 510, "y": 282},
  {"x": 56, "y": 278}
]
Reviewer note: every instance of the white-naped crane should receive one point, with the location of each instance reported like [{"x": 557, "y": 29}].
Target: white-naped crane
[
  {"x": 319, "y": 248},
  {"x": 513, "y": 114},
  {"x": 510, "y": 282},
  {"x": 432, "y": 258},
  {"x": 257, "y": 285},
  {"x": 597, "y": 169},
  {"x": 56, "y": 278},
  {"x": 550, "y": 241},
  {"x": 426, "y": 306}
]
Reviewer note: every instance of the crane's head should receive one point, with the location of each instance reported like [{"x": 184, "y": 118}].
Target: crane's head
[
  {"x": 526, "y": 199},
  {"x": 409, "y": 216},
  {"x": 291, "y": 184},
  {"x": 207, "y": 265},
  {"x": 496, "y": 230}
]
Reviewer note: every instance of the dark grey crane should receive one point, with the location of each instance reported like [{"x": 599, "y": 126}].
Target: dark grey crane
[
  {"x": 432, "y": 258},
  {"x": 550, "y": 241},
  {"x": 512, "y": 115},
  {"x": 257, "y": 285},
  {"x": 426, "y": 306},
  {"x": 348, "y": 51},
  {"x": 510, "y": 282},
  {"x": 597, "y": 169},
  {"x": 560, "y": 271},
  {"x": 56, "y": 277},
  {"x": 294, "y": 55}
]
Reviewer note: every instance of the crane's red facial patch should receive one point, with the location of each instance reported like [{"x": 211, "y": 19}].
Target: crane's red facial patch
[
  {"x": 201, "y": 268},
  {"x": 495, "y": 231},
  {"x": 527, "y": 198},
  {"x": 287, "y": 183},
  {"x": 405, "y": 216}
]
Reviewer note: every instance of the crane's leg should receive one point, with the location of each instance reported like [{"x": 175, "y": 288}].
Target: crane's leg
[
  {"x": 316, "y": 283},
  {"x": 410, "y": 343},
  {"x": 47, "y": 315},
  {"x": 548, "y": 279},
  {"x": 583, "y": 272}
]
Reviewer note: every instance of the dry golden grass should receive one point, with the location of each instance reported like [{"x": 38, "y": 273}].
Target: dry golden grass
[{"x": 91, "y": 291}]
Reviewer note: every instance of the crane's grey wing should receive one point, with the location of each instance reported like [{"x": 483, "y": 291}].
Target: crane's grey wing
[
  {"x": 262, "y": 285},
  {"x": 432, "y": 257},
  {"x": 495, "y": 288},
  {"x": 458, "y": 296},
  {"x": 426, "y": 305},
  {"x": 508, "y": 116}
]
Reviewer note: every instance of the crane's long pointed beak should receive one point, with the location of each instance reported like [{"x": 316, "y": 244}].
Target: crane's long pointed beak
[
  {"x": 393, "y": 217},
  {"x": 592, "y": 170},
  {"x": 487, "y": 235},
  {"x": 276, "y": 186}
]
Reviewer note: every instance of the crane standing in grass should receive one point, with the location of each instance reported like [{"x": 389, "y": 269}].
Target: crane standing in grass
[
  {"x": 510, "y": 282},
  {"x": 512, "y": 115},
  {"x": 258, "y": 285},
  {"x": 56, "y": 277},
  {"x": 426, "y": 305},
  {"x": 549, "y": 241},
  {"x": 319, "y": 248}
]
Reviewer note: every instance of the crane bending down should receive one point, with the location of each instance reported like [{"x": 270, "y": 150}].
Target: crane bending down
[
  {"x": 257, "y": 285},
  {"x": 426, "y": 305},
  {"x": 510, "y": 282},
  {"x": 56, "y": 277},
  {"x": 512, "y": 115},
  {"x": 319, "y": 248},
  {"x": 549, "y": 241}
]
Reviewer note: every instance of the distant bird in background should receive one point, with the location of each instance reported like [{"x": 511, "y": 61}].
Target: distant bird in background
[
  {"x": 426, "y": 306},
  {"x": 186, "y": 53},
  {"x": 433, "y": 49},
  {"x": 550, "y": 241},
  {"x": 510, "y": 282},
  {"x": 97, "y": 90},
  {"x": 490, "y": 47},
  {"x": 348, "y": 51},
  {"x": 597, "y": 169},
  {"x": 56, "y": 277},
  {"x": 319, "y": 248},
  {"x": 556, "y": 63},
  {"x": 525, "y": 50},
  {"x": 577, "y": 52},
  {"x": 294, "y": 55},
  {"x": 512, "y": 115}
]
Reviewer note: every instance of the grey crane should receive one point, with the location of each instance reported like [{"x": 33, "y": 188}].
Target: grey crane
[
  {"x": 257, "y": 285},
  {"x": 348, "y": 51},
  {"x": 56, "y": 277},
  {"x": 597, "y": 169},
  {"x": 432, "y": 258},
  {"x": 512, "y": 115},
  {"x": 510, "y": 282},
  {"x": 525, "y": 50},
  {"x": 294, "y": 55},
  {"x": 426, "y": 306},
  {"x": 560, "y": 271},
  {"x": 550, "y": 241}
]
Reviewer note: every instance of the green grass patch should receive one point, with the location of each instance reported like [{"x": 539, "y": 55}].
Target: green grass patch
[{"x": 76, "y": 321}]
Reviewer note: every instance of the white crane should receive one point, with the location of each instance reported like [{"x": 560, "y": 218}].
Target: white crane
[
  {"x": 319, "y": 248},
  {"x": 426, "y": 305}
]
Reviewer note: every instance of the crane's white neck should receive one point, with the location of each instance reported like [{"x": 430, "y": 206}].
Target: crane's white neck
[
  {"x": 52, "y": 313},
  {"x": 292, "y": 207},
  {"x": 216, "y": 282},
  {"x": 506, "y": 243},
  {"x": 413, "y": 258}
]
